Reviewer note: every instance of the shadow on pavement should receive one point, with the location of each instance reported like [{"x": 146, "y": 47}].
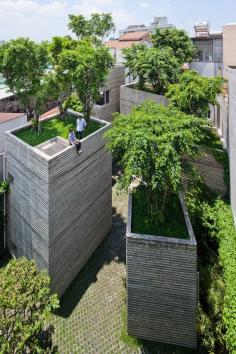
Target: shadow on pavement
[{"x": 113, "y": 248}]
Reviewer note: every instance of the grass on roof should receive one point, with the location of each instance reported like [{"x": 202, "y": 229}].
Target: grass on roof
[
  {"x": 52, "y": 128},
  {"x": 174, "y": 224}
]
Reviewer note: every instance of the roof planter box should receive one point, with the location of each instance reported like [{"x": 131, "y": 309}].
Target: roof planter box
[
  {"x": 131, "y": 97},
  {"x": 162, "y": 285},
  {"x": 60, "y": 205}
]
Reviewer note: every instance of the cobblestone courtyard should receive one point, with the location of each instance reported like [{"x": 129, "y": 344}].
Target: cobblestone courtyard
[{"x": 90, "y": 316}]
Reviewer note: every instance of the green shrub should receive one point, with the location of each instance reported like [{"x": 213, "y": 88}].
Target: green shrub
[{"x": 218, "y": 219}]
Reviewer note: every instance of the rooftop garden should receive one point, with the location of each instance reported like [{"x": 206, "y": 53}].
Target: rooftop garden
[
  {"x": 54, "y": 127},
  {"x": 150, "y": 142},
  {"x": 142, "y": 221}
]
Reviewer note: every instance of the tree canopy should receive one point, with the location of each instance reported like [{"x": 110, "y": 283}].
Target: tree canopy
[
  {"x": 159, "y": 67},
  {"x": 25, "y": 305},
  {"x": 99, "y": 25},
  {"x": 194, "y": 93},
  {"x": 23, "y": 64},
  {"x": 178, "y": 40},
  {"x": 86, "y": 67},
  {"x": 151, "y": 142}
]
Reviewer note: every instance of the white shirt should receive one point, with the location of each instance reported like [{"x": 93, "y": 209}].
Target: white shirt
[{"x": 81, "y": 124}]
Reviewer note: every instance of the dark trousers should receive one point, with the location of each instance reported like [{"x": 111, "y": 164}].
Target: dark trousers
[
  {"x": 79, "y": 135},
  {"x": 78, "y": 146}
]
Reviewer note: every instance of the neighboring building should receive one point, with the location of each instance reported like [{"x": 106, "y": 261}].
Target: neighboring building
[
  {"x": 229, "y": 39},
  {"x": 9, "y": 121},
  {"x": 224, "y": 117},
  {"x": 159, "y": 22},
  {"x": 60, "y": 205},
  {"x": 126, "y": 41},
  {"x": 8, "y": 101},
  {"x": 209, "y": 60},
  {"x": 109, "y": 101}
]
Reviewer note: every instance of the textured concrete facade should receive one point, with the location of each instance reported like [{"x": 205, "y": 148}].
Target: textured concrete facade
[
  {"x": 207, "y": 69},
  {"x": 229, "y": 38},
  {"x": 162, "y": 290},
  {"x": 59, "y": 208},
  {"x": 10, "y": 125},
  {"x": 211, "y": 171},
  {"x": 114, "y": 81},
  {"x": 130, "y": 97},
  {"x": 230, "y": 73}
]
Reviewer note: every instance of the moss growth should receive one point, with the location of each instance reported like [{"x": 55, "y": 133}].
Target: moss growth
[
  {"x": 52, "y": 128},
  {"x": 173, "y": 225}
]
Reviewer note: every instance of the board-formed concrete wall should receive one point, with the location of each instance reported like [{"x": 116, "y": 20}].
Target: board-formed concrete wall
[
  {"x": 130, "y": 97},
  {"x": 230, "y": 73},
  {"x": 211, "y": 171},
  {"x": 60, "y": 206},
  {"x": 10, "y": 125},
  {"x": 113, "y": 83},
  {"x": 162, "y": 286}
]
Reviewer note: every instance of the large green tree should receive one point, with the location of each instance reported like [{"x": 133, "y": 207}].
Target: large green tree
[
  {"x": 151, "y": 142},
  {"x": 86, "y": 67},
  {"x": 23, "y": 64},
  {"x": 178, "y": 40},
  {"x": 159, "y": 67},
  {"x": 25, "y": 307},
  {"x": 98, "y": 26},
  {"x": 194, "y": 93}
]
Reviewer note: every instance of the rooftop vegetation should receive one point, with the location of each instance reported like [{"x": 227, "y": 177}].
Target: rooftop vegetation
[
  {"x": 151, "y": 142},
  {"x": 54, "y": 127},
  {"x": 143, "y": 223}
]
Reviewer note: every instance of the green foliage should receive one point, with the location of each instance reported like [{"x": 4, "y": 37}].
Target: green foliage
[
  {"x": 22, "y": 65},
  {"x": 157, "y": 66},
  {"x": 194, "y": 93},
  {"x": 177, "y": 40},
  {"x": 73, "y": 103},
  {"x": 25, "y": 306},
  {"x": 54, "y": 127},
  {"x": 219, "y": 221},
  {"x": 86, "y": 67},
  {"x": 145, "y": 215},
  {"x": 4, "y": 187},
  {"x": 99, "y": 25},
  {"x": 151, "y": 142}
]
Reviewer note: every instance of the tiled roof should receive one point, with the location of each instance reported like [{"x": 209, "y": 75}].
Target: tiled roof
[
  {"x": 134, "y": 36},
  {"x": 115, "y": 43},
  {"x": 4, "y": 117}
]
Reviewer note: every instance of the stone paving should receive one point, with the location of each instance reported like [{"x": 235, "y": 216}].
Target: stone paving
[
  {"x": 90, "y": 316},
  {"x": 90, "y": 319}
]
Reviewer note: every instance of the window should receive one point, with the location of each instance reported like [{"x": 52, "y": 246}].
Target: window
[{"x": 104, "y": 98}]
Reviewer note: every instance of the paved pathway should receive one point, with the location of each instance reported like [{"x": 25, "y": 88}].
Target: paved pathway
[{"x": 90, "y": 316}]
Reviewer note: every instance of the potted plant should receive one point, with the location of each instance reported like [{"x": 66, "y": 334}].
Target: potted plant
[{"x": 153, "y": 142}]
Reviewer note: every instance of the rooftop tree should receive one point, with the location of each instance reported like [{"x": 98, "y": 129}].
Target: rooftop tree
[
  {"x": 25, "y": 307},
  {"x": 194, "y": 93},
  {"x": 98, "y": 26},
  {"x": 151, "y": 142},
  {"x": 178, "y": 40},
  {"x": 86, "y": 67},
  {"x": 23, "y": 64},
  {"x": 159, "y": 67}
]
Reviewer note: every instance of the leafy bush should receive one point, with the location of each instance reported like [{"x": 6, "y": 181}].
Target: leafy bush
[
  {"x": 25, "y": 306},
  {"x": 73, "y": 103},
  {"x": 151, "y": 142},
  {"x": 194, "y": 93},
  {"x": 218, "y": 219}
]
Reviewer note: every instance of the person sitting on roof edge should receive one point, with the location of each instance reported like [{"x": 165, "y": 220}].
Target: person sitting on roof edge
[{"x": 74, "y": 141}]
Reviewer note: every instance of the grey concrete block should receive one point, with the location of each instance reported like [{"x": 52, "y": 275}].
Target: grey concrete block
[
  {"x": 59, "y": 208},
  {"x": 162, "y": 286},
  {"x": 130, "y": 97}
]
